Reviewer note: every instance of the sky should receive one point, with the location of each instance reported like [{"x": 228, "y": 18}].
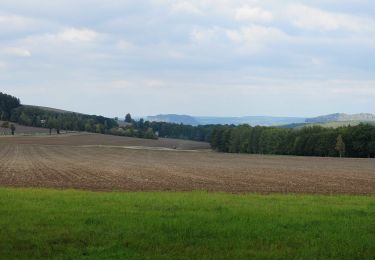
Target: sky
[{"x": 198, "y": 57}]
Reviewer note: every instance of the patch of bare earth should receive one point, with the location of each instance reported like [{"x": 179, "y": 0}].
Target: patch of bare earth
[{"x": 98, "y": 162}]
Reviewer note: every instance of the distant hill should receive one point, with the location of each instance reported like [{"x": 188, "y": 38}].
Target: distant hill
[
  {"x": 328, "y": 124},
  {"x": 251, "y": 120},
  {"x": 332, "y": 120},
  {"x": 172, "y": 118},
  {"x": 340, "y": 117}
]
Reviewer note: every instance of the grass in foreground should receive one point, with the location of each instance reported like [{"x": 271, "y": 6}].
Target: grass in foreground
[{"x": 74, "y": 224}]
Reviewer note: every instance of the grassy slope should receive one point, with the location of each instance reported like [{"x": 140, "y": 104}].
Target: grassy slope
[{"x": 45, "y": 223}]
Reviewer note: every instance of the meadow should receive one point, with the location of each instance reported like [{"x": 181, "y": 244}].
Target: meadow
[{"x": 39, "y": 223}]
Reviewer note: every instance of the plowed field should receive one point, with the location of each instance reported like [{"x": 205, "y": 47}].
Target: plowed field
[{"x": 98, "y": 162}]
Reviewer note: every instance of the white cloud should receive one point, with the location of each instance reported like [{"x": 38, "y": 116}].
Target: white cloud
[
  {"x": 154, "y": 83},
  {"x": 176, "y": 54},
  {"x": 11, "y": 23},
  {"x": 48, "y": 41},
  {"x": 77, "y": 35},
  {"x": 204, "y": 35},
  {"x": 254, "y": 38},
  {"x": 124, "y": 45},
  {"x": 185, "y": 7},
  {"x": 15, "y": 51},
  {"x": 179, "y": 47},
  {"x": 310, "y": 18},
  {"x": 353, "y": 88},
  {"x": 2, "y": 65},
  {"x": 254, "y": 14},
  {"x": 121, "y": 84}
]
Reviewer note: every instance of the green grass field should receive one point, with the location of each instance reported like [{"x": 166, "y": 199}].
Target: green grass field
[{"x": 74, "y": 224}]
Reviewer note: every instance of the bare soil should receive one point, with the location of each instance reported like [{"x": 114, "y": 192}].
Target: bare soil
[
  {"x": 76, "y": 139},
  {"x": 106, "y": 163}
]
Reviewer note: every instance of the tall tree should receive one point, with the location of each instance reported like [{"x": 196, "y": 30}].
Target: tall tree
[
  {"x": 340, "y": 145},
  {"x": 12, "y": 128},
  {"x": 51, "y": 122},
  {"x": 128, "y": 118}
]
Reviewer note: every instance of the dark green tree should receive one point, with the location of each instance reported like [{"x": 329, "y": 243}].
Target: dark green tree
[
  {"x": 12, "y": 128},
  {"x": 51, "y": 124},
  {"x": 340, "y": 145},
  {"x": 128, "y": 118}
]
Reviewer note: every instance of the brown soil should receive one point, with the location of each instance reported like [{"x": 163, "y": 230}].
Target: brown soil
[
  {"x": 77, "y": 162},
  {"x": 103, "y": 140}
]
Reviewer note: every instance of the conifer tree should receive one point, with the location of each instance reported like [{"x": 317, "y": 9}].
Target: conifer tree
[{"x": 340, "y": 146}]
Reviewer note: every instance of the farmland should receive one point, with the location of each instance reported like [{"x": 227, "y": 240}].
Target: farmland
[
  {"x": 97, "y": 196},
  {"x": 69, "y": 224},
  {"x": 107, "y": 163},
  {"x": 24, "y": 130}
]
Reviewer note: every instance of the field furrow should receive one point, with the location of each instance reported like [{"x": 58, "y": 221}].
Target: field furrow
[{"x": 78, "y": 161}]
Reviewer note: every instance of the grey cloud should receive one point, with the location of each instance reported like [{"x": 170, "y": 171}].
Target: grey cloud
[{"x": 242, "y": 54}]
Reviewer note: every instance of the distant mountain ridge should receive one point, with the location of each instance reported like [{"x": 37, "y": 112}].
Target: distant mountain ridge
[
  {"x": 201, "y": 120},
  {"x": 251, "y": 120},
  {"x": 261, "y": 120},
  {"x": 172, "y": 118},
  {"x": 341, "y": 117}
]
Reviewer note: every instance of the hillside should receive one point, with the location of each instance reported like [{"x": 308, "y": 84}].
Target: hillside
[
  {"x": 334, "y": 120},
  {"x": 50, "y": 109},
  {"x": 340, "y": 117},
  {"x": 251, "y": 120},
  {"x": 37, "y": 117},
  {"x": 172, "y": 118}
]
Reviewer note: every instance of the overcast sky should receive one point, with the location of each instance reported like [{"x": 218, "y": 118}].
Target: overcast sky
[{"x": 199, "y": 57}]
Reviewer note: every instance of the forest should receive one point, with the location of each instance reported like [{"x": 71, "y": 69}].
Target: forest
[
  {"x": 7, "y": 104},
  {"x": 37, "y": 117},
  {"x": 180, "y": 131},
  {"x": 12, "y": 110},
  {"x": 349, "y": 141}
]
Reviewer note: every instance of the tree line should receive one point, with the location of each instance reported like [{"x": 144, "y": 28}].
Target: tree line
[
  {"x": 180, "y": 131},
  {"x": 153, "y": 130},
  {"x": 12, "y": 110},
  {"x": 349, "y": 141},
  {"x": 133, "y": 128},
  {"x": 39, "y": 117},
  {"x": 7, "y": 104}
]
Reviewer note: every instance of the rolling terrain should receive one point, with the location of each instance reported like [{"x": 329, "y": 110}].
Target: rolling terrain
[
  {"x": 211, "y": 120},
  {"x": 332, "y": 120},
  {"x": 100, "y": 162}
]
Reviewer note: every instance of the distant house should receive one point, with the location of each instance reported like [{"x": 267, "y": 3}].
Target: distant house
[{"x": 124, "y": 124}]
